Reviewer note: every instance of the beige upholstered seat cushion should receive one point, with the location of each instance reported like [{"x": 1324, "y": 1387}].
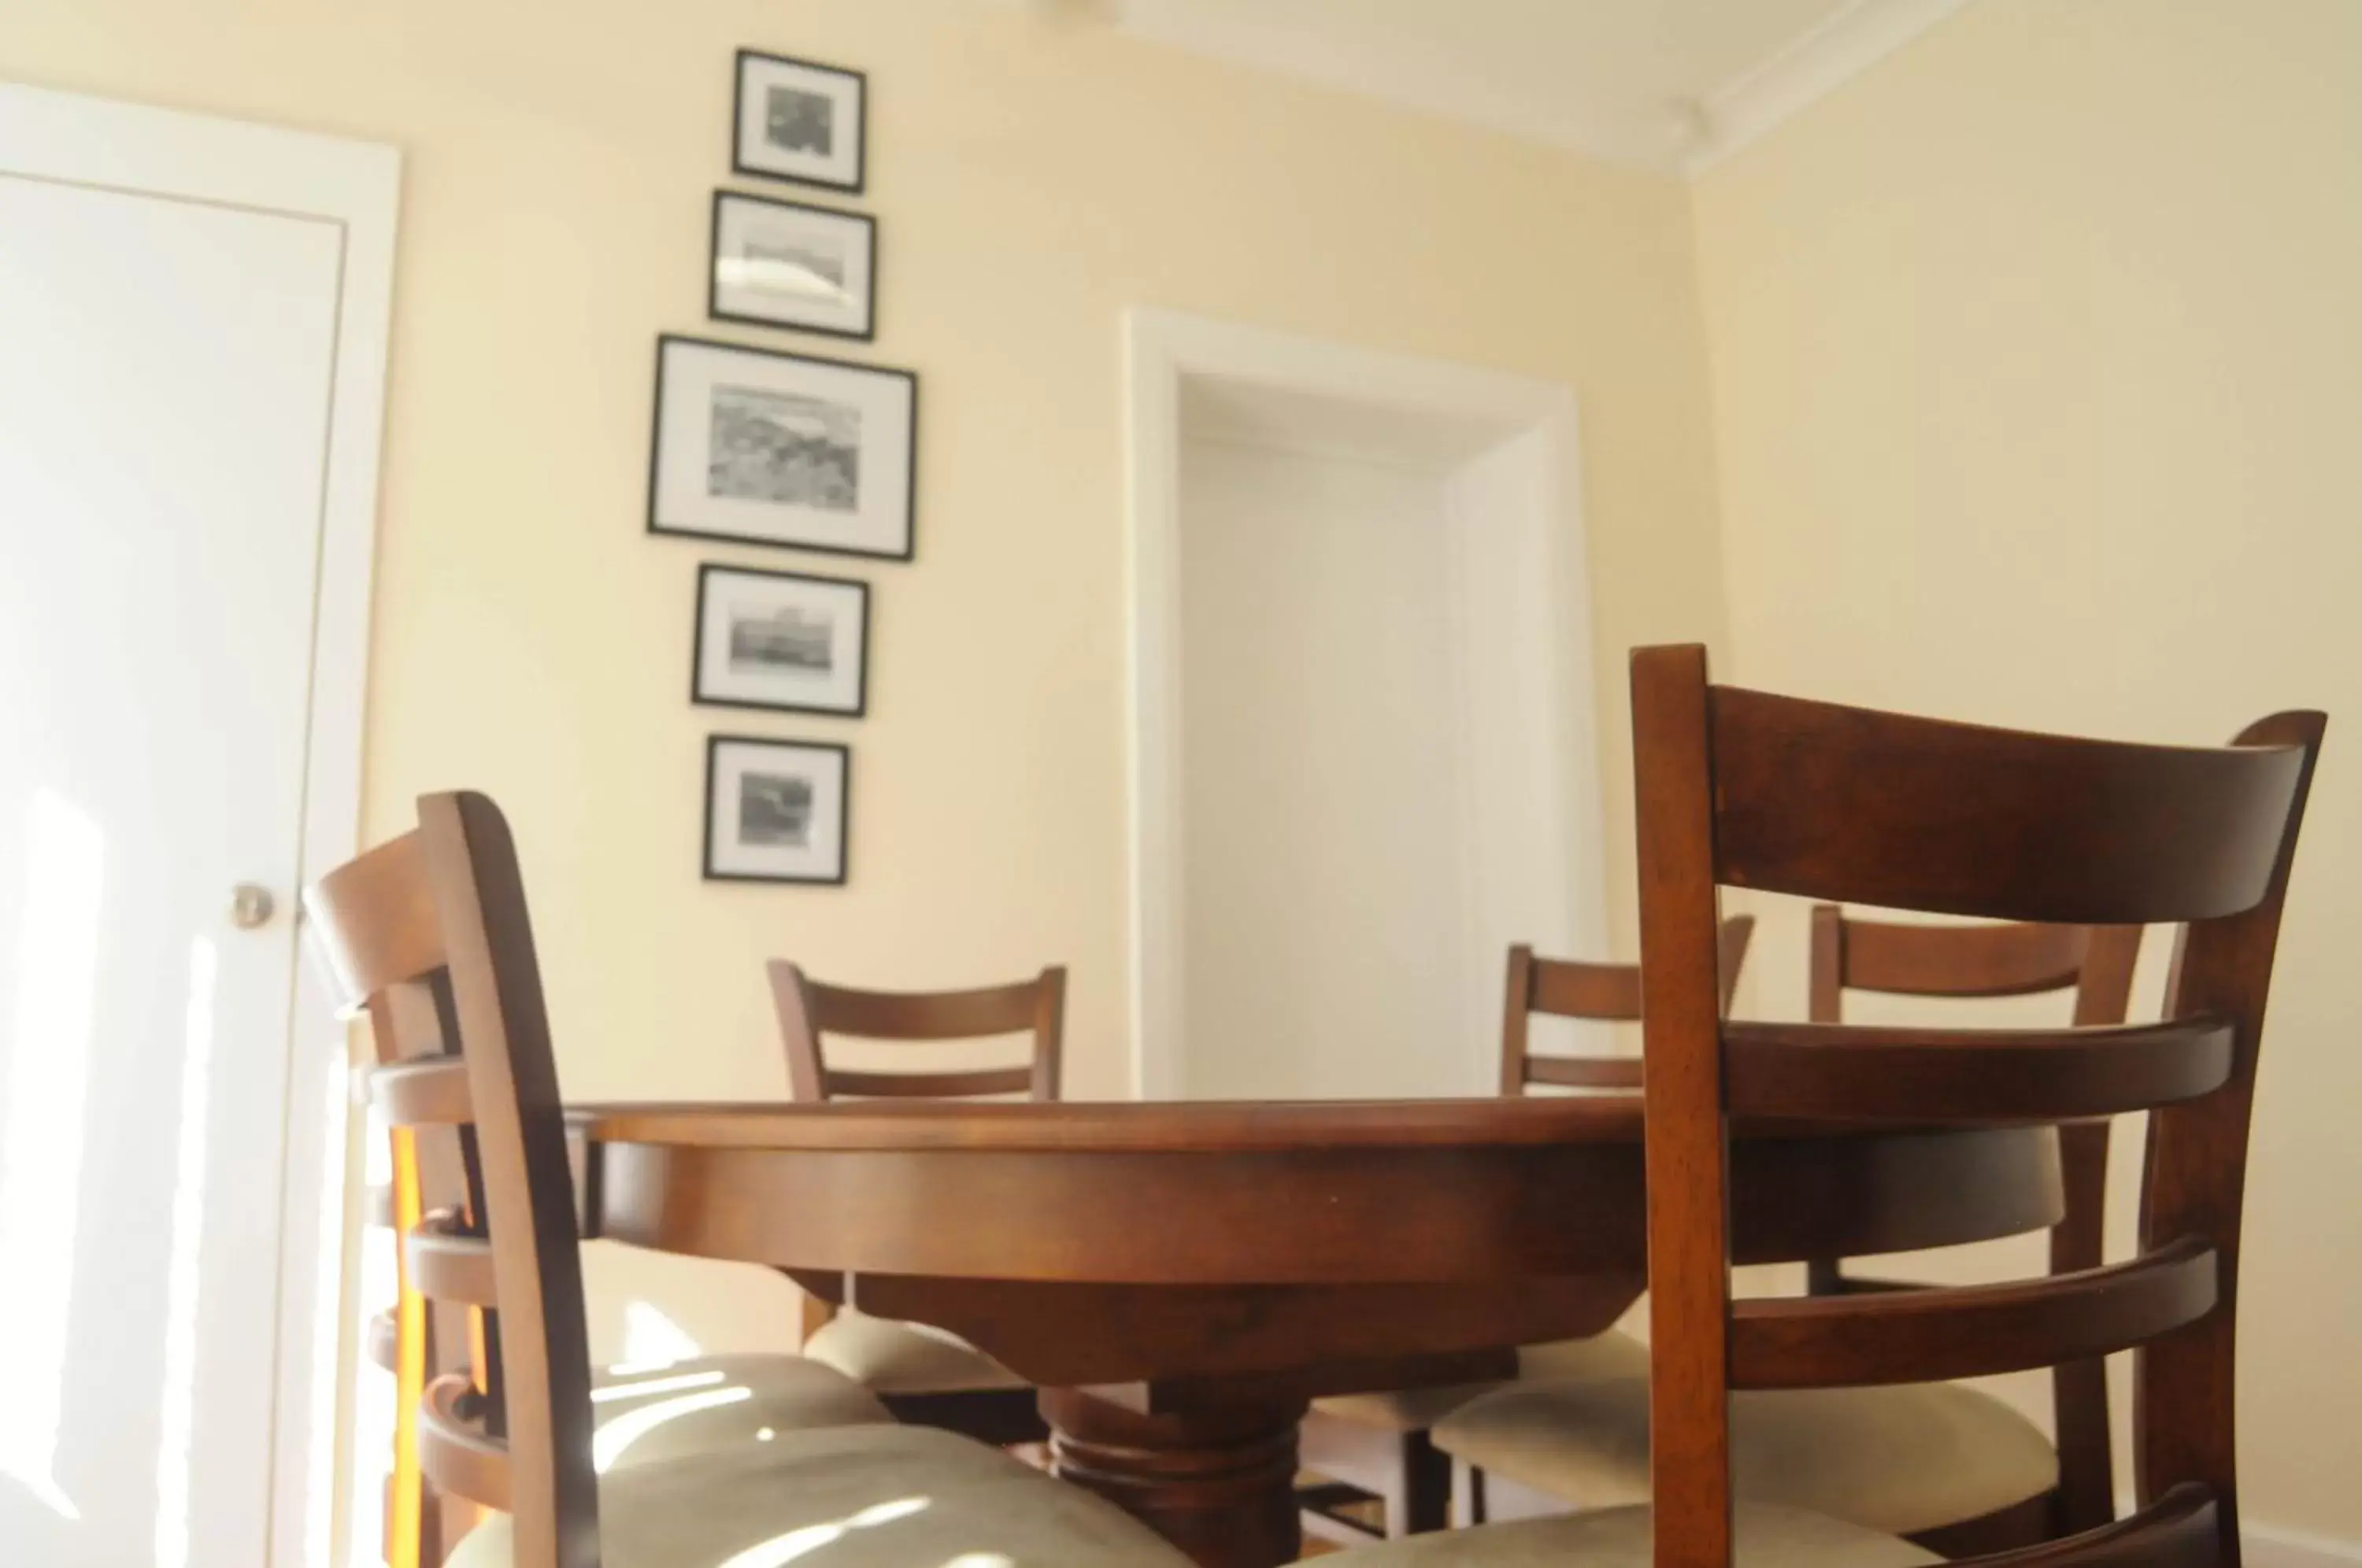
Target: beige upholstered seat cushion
[
  {"x": 849, "y": 1498},
  {"x": 894, "y": 1357},
  {"x": 1900, "y": 1459},
  {"x": 1769, "y": 1537},
  {"x": 1611, "y": 1354},
  {"x": 709, "y": 1403}
]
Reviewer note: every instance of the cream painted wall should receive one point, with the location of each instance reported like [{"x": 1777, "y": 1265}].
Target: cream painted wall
[
  {"x": 1031, "y": 182},
  {"x": 2037, "y": 366}
]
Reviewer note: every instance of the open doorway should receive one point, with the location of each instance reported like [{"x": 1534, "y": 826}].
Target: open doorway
[{"x": 1364, "y": 738}]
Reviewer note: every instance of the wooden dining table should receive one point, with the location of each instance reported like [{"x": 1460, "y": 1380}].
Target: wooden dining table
[{"x": 1180, "y": 1280}]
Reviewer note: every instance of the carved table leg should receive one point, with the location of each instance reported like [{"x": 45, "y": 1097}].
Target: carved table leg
[{"x": 1217, "y": 1481}]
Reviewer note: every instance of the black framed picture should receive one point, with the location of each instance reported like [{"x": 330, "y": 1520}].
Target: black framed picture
[
  {"x": 780, "y": 263},
  {"x": 796, "y": 119},
  {"x": 775, "y": 811},
  {"x": 777, "y": 448},
  {"x": 780, "y": 640}
]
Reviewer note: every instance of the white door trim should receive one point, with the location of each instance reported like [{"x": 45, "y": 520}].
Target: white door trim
[
  {"x": 356, "y": 185},
  {"x": 1163, "y": 351}
]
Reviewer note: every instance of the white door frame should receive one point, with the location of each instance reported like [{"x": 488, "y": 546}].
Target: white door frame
[
  {"x": 1534, "y": 422},
  {"x": 356, "y": 185}
]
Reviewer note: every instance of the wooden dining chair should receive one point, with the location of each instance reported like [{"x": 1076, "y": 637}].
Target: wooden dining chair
[
  {"x": 1948, "y": 1466},
  {"x": 419, "y": 1339},
  {"x": 430, "y": 933},
  {"x": 1380, "y": 1445},
  {"x": 925, "y": 1376},
  {"x": 1743, "y": 789}
]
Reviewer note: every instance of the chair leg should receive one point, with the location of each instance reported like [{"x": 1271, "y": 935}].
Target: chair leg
[
  {"x": 1475, "y": 1492},
  {"x": 1426, "y": 1485}
]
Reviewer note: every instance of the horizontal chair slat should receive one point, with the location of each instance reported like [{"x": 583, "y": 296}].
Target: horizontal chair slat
[
  {"x": 932, "y": 1015},
  {"x": 423, "y": 1094},
  {"x": 2010, "y": 960},
  {"x": 1925, "y": 1336},
  {"x": 449, "y": 1265},
  {"x": 932, "y": 1086},
  {"x": 2181, "y": 1529},
  {"x": 1567, "y": 989},
  {"x": 455, "y": 1453},
  {"x": 1584, "y": 1072},
  {"x": 1849, "y": 1071}
]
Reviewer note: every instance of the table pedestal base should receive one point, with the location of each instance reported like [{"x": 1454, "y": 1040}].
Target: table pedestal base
[{"x": 1219, "y": 1484}]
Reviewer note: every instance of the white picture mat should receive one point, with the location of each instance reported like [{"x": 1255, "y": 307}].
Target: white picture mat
[
  {"x": 841, "y": 165},
  {"x": 819, "y": 860},
  {"x": 729, "y": 596},
  {"x": 743, "y": 222},
  {"x": 689, "y": 371}
]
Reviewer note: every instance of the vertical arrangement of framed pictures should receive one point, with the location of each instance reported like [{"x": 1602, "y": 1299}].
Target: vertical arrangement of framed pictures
[
  {"x": 791, "y": 451},
  {"x": 775, "y": 811}
]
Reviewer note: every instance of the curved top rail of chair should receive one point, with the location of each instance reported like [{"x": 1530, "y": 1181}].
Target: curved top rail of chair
[{"x": 1849, "y": 804}]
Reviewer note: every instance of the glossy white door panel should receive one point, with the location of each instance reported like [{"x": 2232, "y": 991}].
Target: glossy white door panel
[{"x": 169, "y": 368}]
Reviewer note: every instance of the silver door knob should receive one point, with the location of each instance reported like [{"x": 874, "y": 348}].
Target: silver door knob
[{"x": 250, "y": 905}]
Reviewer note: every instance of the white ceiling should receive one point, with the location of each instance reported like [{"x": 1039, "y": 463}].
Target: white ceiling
[{"x": 1664, "y": 84}]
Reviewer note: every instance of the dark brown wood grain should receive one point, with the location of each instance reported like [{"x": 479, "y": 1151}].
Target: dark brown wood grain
[
  {"x": 1919, "y": 1336},
  {"x": 1855, "y": 1072},
  {"x": 1860, "y": 807},
  {"x": 1739, "y": 788},
  {"x": 1688, "y": 1164}
]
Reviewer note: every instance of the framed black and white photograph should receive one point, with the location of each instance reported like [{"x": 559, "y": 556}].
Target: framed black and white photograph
[
  {"x": 777, "y": 448},
  {"x": 775, "y": 810},
  {"x": 797, "y": 120},
  {"x": 784, "y": 264},
  {"x": 774, "y": 639}
]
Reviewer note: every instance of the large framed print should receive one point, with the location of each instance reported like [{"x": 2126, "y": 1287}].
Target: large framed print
[
  {"x": 782, "y": 641},
  {"x": 775, "y": 811},
  {"x": 796, "y": 119},
  {"x": 768, "y": 448}
]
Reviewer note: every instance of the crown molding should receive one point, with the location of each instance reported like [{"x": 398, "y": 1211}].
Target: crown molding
[
  {"x": 1816, "y": 65},
  {"x": 1648, "y": 142},
  {"x": 1673, "y": 139}
]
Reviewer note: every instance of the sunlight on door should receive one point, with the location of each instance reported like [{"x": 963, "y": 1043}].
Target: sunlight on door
[
  {"x": 41, "y": 1145},
  {"x": 179, "y": 1414}
]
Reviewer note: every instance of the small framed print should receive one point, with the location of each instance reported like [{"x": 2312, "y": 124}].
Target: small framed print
[
  {"x": 784, "y": 264},
  {"x": 774, "y": 639},
  {"x": 797, "y": 120},
  {"x": 777, "y": 448},
  {"x": 775, "y": 810}
]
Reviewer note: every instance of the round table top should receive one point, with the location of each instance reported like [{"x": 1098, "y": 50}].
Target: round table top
[{"x": 1454, "y": 1191}]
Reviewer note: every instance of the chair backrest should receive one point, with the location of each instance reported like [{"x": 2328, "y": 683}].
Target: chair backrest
[
  {"x": 429, "y": 932},
  {"x": 2011, "y": 960},
  {"x": 810, "y": 1010},
  {"x": 1742, "y": 788},
  {"x": 415, "y": 1340},
  {"x": 1602, "y": 993}
]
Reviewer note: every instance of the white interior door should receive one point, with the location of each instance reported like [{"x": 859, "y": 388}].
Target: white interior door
[
  {"x": 1326, "y": 887},
  {"x": 168, "y": 368}
]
